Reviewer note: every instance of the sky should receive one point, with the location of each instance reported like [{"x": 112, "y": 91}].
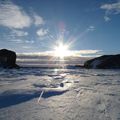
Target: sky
[{"x": 90, "y": 27}]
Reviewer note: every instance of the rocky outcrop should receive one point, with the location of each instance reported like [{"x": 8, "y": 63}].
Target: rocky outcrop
[
  {"x": 8, "y": 59},
  {"x": 104, "y": 62}
]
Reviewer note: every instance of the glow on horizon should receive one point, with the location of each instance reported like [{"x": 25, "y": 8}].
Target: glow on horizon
[{"x": 75, "y": 53}]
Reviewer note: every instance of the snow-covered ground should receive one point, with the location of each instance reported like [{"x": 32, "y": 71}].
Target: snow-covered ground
[{"x": 59, "y": 94}]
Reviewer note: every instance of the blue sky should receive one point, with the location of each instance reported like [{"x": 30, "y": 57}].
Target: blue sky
[{"x": 91, "y": 26}]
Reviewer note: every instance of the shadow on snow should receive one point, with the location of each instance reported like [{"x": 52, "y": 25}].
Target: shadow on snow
[{"x": 7, "y": 100}]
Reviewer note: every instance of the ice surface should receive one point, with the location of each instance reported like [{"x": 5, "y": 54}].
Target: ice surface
[{"x": 59, "y": 94}]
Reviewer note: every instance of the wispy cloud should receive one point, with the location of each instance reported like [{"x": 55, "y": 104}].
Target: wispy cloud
[
  {"x": 13, "y": 16},
  {"x": 91, "y": 28},
  {"x": 19, "y": 33},
  {"x": 29, "y": 41},
  {"x": 42, "y": 32},
  {"x": 107, "y": 18},
  {"x": 26, "y": 47},
  {"x": 87, "y": 51},
  {"x": 16, "y": 36},
  {"x": 16, "y": 40},
  {"x": 110, "y": 9},
  {"x": 38, "y": 20}
]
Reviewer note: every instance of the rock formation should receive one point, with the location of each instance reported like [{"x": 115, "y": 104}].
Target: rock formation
[
  {"x": 8, "y": 59},
  {"x": 104, "y": 62}
]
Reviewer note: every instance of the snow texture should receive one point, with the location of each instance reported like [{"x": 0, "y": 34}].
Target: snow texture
[{"x": 60, "y": 94}]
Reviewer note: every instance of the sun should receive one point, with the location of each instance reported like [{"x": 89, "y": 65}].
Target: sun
[{"x": 61, "y": 50}]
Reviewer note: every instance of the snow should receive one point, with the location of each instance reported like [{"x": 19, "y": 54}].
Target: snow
[
  {"x": 95, "y": 63},
  {"x": 65, "y": 94}
]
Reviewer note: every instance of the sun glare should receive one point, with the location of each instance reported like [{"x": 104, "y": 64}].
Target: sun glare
[{"x": 61, "y": 50}]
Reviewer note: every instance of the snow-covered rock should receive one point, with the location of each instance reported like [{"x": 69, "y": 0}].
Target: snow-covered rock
[{"x": 104, "y": 62}]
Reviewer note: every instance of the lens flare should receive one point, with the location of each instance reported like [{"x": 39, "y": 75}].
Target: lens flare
[{"x": 61, "y": 50}]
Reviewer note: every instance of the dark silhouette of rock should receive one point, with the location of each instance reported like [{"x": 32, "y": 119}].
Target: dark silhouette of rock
[
  {"x": 8, "y": 59},
  {"x": 104, "y": 62}
]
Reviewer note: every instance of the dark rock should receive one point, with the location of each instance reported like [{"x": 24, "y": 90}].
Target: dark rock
[
  {"x": 74, "y": 66},
  {"x": 61, "y": 84},
  {"x": 104, "y": 62},
  {"x": 8, "y": 59}
]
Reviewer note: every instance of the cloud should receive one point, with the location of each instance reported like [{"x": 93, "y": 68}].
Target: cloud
[
  {"x": 29, "y": 41},
  {"x": 107, "y": 18},
  {"x": 91, "y": 28},
  {"x": 13, "y": 16},
  {"x": 16, "y": 36},
  {"x": 26, "y": 47},
  {"x": 19, "y": 33},
  {"x": 42, "y": 32},
  {"x": 75, "y": 53},
  {"x": 16, "y": 40},
  {"x": 87, "y": 51},
  {"x": 110, "y": 9},
  {"x": 38, "y": 20}
]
